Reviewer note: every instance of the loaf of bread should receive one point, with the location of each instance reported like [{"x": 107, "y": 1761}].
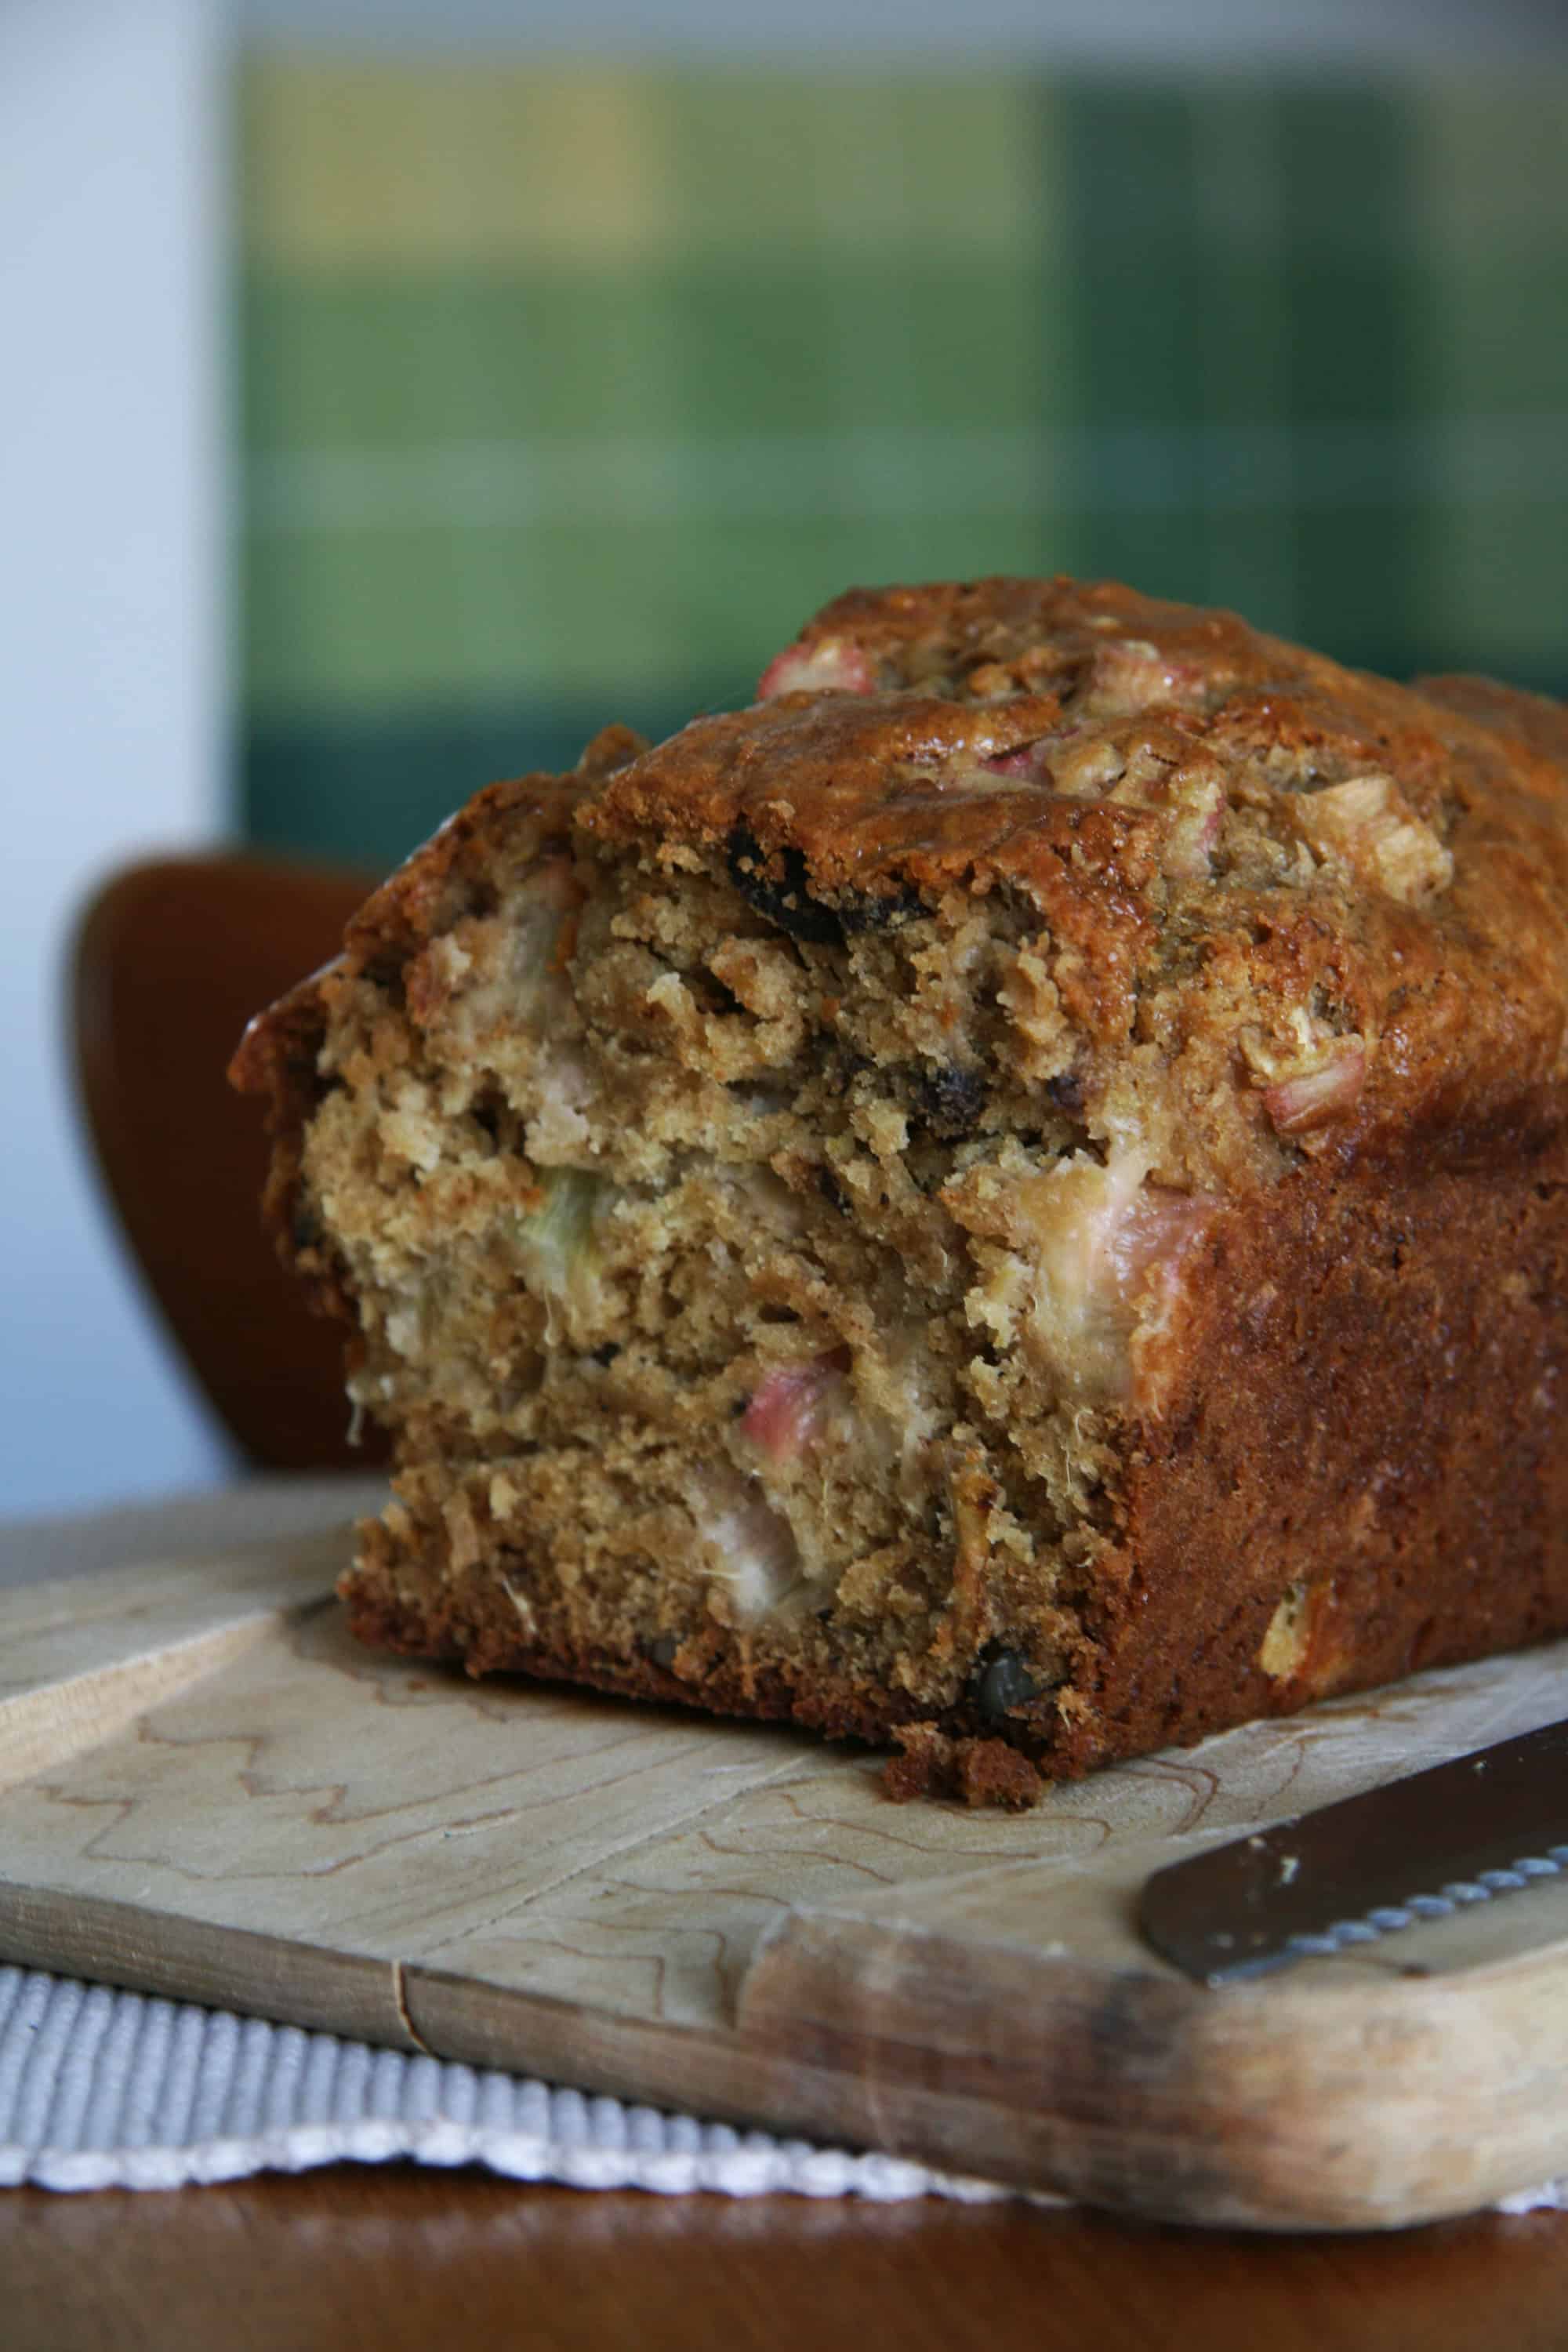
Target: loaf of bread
[{"x": 1008, "y": 1201}]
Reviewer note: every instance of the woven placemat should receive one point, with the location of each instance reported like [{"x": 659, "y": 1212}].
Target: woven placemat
[{"x": 103, "y": 2089}]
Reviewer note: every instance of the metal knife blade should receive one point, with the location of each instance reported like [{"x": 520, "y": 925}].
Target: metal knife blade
[{"x": 1484, "y": 1826}]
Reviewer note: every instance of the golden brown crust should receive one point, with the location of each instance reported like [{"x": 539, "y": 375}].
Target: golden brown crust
[
  {"x": 1464, "y": 992},
  {"x": 1462, "y": 995}
]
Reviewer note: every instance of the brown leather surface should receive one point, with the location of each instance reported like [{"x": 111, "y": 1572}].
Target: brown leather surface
[{"x": 172, "y": 958}]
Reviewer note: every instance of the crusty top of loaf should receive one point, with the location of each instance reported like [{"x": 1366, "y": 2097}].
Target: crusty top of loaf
[{"x": 1230, "y": 842}]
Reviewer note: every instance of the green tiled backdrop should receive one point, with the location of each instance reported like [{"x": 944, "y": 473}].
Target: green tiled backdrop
[{"x": 568, "y": 390}]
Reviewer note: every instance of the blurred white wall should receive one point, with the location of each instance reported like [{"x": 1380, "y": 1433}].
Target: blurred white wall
[{"x": 113, "y": 649}]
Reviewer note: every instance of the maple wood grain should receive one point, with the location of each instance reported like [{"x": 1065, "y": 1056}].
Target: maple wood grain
[{"x": 397, "y": 2259}]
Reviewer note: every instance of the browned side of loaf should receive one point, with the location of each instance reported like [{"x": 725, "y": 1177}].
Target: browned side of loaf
[{"x": 1374, "y": 1425}]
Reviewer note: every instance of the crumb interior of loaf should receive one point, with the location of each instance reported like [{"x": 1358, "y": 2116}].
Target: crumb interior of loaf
[{"x": 735, "y": 1271}]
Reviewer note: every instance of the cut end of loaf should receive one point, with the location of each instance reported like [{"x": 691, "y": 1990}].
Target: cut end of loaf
[{"x": 750, "y": 1311}]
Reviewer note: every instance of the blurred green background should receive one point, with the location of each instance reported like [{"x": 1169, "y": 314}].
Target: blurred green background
[{"x": 568, "y": 390}]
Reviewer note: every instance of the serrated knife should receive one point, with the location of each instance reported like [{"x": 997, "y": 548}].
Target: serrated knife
[{"x": 1485, "y": 1826}]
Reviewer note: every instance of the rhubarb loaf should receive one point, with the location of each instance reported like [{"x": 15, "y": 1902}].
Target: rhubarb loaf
[{"x": 1008, "y": 1201}]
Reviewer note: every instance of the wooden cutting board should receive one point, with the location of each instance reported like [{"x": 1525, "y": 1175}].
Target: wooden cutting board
[{"x": 207, "y": 1789}]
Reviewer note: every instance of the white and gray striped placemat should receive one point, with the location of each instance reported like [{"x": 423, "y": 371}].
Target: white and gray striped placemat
[{"x": 102, "y": 2089}]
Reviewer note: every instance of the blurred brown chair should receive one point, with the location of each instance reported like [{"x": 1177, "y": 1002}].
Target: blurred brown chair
[{"x": 172, "y": 958}]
